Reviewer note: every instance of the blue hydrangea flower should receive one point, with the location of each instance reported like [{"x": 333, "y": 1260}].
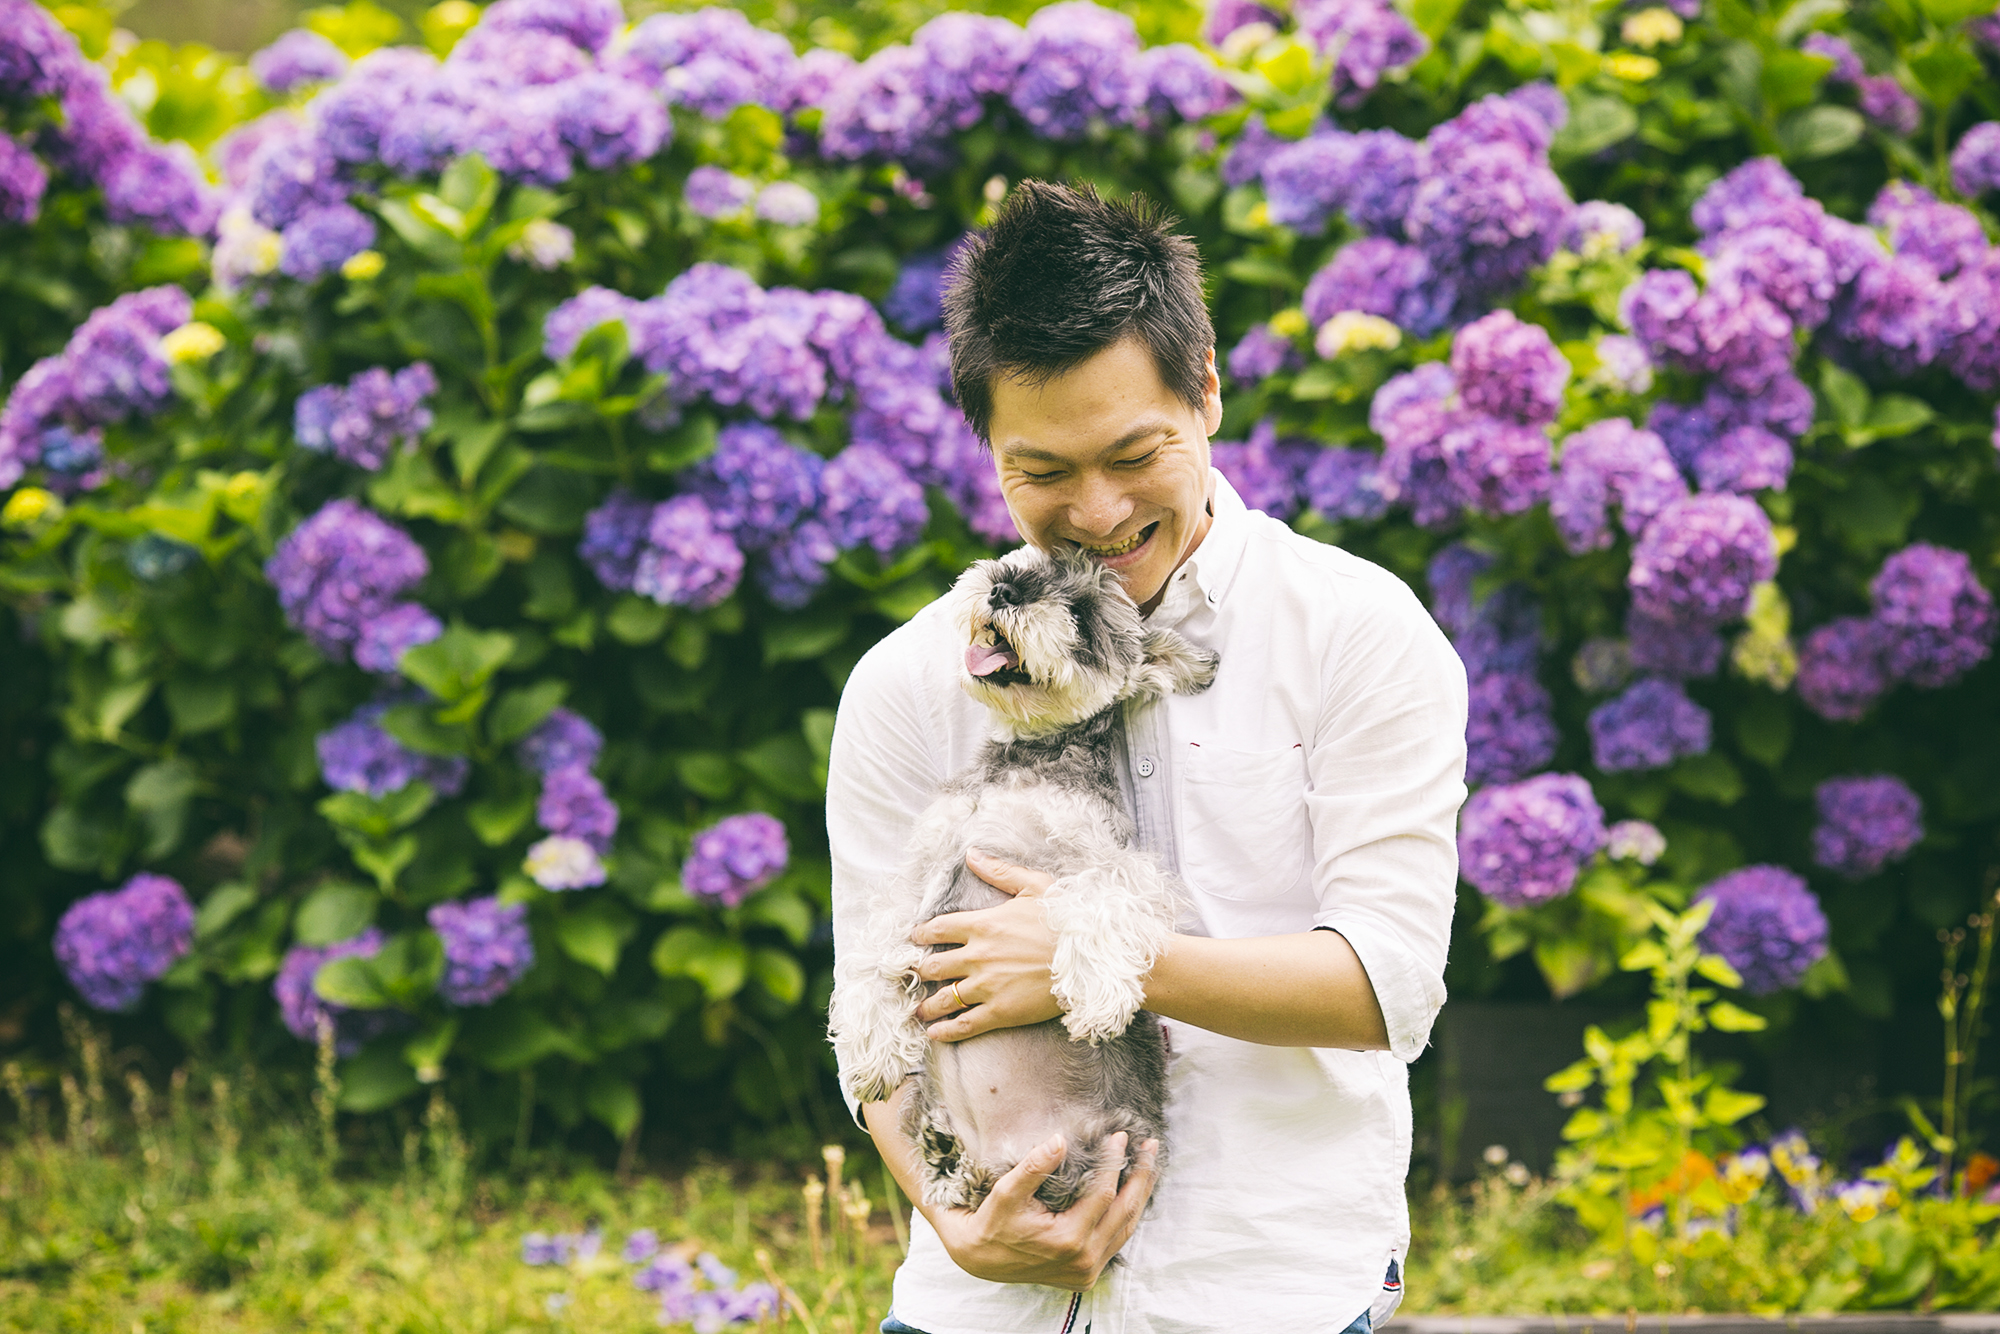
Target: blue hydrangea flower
[
  {"x": 297, "y": 58},
  {"x": 339, "y": 569},
  {"x": 868, "y": 500},
  {"x": 563, "y": 740},
  {"x": 688, "y": 561},
  {"x": 1648, "y": 727},
  {"x": 1936, "y": 617},
  {"x": 1767, "y": 924},
  {"x": 486, "y": 949},
  {"x": 1865, "y": 823},
  {"x": 359, "y": 756},
  {"x": 111, "y": 944},
  {"x": 735, "y": 857},
  {"x": 1523, "y": 843}
]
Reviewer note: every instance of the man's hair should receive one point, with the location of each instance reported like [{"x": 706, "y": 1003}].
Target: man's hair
[{"x": 1060, "y": 276}]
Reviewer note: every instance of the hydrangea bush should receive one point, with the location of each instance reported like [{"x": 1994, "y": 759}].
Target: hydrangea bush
[{"x": 452, "y": 582}]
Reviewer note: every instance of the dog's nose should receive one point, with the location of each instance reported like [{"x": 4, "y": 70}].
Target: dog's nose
[{"x": 1005, "y": 595}]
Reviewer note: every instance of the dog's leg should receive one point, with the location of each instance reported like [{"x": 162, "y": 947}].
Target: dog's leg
[{"x": 1112, "y": 921}]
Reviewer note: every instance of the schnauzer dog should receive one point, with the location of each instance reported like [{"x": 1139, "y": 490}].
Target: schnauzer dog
[{"x": 1054, "y": 647}]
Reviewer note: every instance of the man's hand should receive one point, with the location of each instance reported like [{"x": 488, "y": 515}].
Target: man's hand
[
  {"x": 1002, "y": 963},
  {"x": 1011, "y": 1238}
]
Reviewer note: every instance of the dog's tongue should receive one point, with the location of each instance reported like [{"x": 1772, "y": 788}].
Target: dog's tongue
[{"x": 986, "y": 659}]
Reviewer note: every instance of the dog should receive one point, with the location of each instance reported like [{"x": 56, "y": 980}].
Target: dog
[{"x": 1053, "y": 647}]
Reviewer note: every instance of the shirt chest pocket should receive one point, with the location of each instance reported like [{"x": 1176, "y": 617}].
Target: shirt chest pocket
[{"x": 1245, "y": 834}]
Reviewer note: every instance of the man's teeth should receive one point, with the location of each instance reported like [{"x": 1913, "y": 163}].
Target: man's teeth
[{"x": 1129, "y": 544}]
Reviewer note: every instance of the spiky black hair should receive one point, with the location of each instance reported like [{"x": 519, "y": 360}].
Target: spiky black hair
[{"x": 1060, "y": 276}]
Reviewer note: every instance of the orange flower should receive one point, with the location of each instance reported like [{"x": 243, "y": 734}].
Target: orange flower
[
  {"x": 1693, "y": 1169},
  {"x": 1980, "y": 1169}
]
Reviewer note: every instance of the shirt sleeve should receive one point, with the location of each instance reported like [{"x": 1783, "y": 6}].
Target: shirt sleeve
[
  {"x": 1388, "y": 775},
  {"x": 882, "y": 771}
]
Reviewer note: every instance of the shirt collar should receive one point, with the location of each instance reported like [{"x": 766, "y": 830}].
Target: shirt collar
[{"x": 1205, "y": 576}]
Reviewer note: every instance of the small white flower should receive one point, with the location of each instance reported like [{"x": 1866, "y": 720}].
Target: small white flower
[
  {"x": 559, "y": 862},
  {"x": 544, "y": 244},
  {"x": 788, "y": 204},
  {"x": 1352, "y": 331},
  {"x": 1634, "y": 840}
]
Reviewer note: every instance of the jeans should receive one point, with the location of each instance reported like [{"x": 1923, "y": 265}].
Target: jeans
[{"x": 1362, "y": 1325}]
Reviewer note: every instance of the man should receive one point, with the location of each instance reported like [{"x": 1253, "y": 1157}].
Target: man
[{"x": 1308, "y": 798}]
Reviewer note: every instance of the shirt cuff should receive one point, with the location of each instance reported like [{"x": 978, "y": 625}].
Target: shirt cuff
[{"x": 1409, "y": 994}]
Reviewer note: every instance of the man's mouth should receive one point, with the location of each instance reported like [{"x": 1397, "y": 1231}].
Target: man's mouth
[{"x": 1117, "y": 549}]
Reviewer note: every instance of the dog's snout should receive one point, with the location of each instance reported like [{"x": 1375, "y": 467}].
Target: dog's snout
[{"x": 1004, "y": 595}]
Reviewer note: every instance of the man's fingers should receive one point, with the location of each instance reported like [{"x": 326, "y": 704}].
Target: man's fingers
[
  {"x": 1005, "y": 876},
  {"x": 1016, "y": 1190},
  {"x": 946, "y": 929}
]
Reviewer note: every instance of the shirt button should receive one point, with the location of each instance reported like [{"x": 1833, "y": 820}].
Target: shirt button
[{"x": 1145, "y": 766}]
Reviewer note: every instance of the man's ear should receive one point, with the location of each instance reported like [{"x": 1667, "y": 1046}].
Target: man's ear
[
  {"x": 1211, "y": 396},
  {"x": 1175, "y": 666}
]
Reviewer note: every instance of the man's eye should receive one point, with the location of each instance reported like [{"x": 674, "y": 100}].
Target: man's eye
[
  {"x": 1141, "y": 461},
  {"x": 1040, "y": 476}
]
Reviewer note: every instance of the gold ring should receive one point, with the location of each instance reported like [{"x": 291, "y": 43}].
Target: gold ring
[{"x": 958, "y": 998}]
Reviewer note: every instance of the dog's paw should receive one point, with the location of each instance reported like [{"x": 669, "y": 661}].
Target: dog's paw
[{"x": 1177, "y": 666}]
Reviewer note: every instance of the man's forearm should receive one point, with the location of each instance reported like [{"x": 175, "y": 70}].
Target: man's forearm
[
  {"x": 897, "y": 1152},
  {"x": 1305, "y": 990}
]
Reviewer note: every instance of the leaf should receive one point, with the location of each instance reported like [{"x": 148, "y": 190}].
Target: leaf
[
  {"x": 472, "y": 444},
  {"x": 378, "y": 817},
  {"x": 495, "y": 820},
  {"x": 614, "y": 1100},
  {"x": 1735, "y": 1019},
  {"x": 1725, "y": 1107},
  {"x": 718, "y": 963},
  {"x": 469, "y": 186},
  {"x": 200, "y": 703},
  {"x": 522, "y": 710},
  {"x": 377, "y": 1078},
  {"x": 706, "y": 774},
  {"x": 458, "y": 662},
  {"x": 1897, "y": 414},
  {"x": 1646, "y": 954},
  {"x": 1570, "y": 965},
  {"x": 804, "y": 635},
  {"x": 1944, "y": 66},
  {"x": 779, "y": 974},
  {"x": 783, "y": 909},
  {"x": 426, "y": 1051},
  {"x": 1764, "y": 729},
  {"x": 224, "y": 904},
  {"x": 1719, "y": 971},
  {"x": 334, "y": 912},
  {"x": 416, "y": 726},
  {"x": 595, "y": 934},
  {"x": 635, "y": 620},
  {"x": 1711, "y": 777},
  {"x": 1819, "y": 131},
  {"x": 1261, "y": 271},
  {"x": 1791, "y": 79},
  {"x": 783, "y": 763},
  {"x": 549, "y": 500},
  {"x": 511, "y": 1036},
  {"x": 352, "y": 982}
]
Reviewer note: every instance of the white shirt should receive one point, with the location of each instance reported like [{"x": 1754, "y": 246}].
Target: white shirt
[{"x": 1316, "y": 784}]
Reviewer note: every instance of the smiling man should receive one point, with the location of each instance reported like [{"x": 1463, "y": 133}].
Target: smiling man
[{"x": 1308, "y": 799}]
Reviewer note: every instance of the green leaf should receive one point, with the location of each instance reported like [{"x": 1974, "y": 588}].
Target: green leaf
[
  {"x": 1595, "y": 124},
  {"x": 458, "y": 662},
  {"x": 224, "y": 904},
  {"x": 495, "y": 820},
  {"x": 416, "y": 726},
  {"x": 1944, "y": 67},
  {"x": 1710, "y": 777},
  {"x": 1735, "y": 1019},
  {"x": 159, "y": 794},
  {"x": 1718, "y": 970},
  {"x": 636, "y": 620},
  {"x": 706, "y": 774},
  {"x": 779, "y": 974},
  {"x": 1434, "y": 16},
  {"x": 1897, "y": 414},
  {"x": 378, "y": 817},
  {"x": 613, "y": 1100},
  {"x": 595, "y": 934},
  {"x": 1646, "y": 954},
  {"x": 472, "y": 444},
  {"x": 783, "y": 763},
  {"x": 352, "y": 982},
  {"x": 1573, "y": 1078},
  {"x": 426, "y": 1051},
  {"x": 1791, "y": 79},
  {"x": 410, "y": 486},
  {"x": 1260, "y": 271},
  {"x": 334, "y": 912},
  {"x": 782, "y": 909},
  {"x": 718, "y": 963},
  {"x": 521, "y": 711},
  {"x": 804, "y": 635},
  {"x": 1570, "y": 965},
  {"x": 1764, "y": 729},
  {"x": 377, "y": 1078},
  {"x": 200, "y": 703},
  {"x": 1725, "y": 1107},
  {"x": 1820, "y": 131},
  {"x": 511, "y": 1036},
  {"x": 469, "y": 186},
  {"x": 1945, "y": 13},
  {"x": 549, "y": 500}
]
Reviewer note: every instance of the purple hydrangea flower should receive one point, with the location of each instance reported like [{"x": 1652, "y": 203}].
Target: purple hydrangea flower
[
  {"x": 915, "y": 302},
  {"x": 302, "y": 1008},
  {"x": 291, "y": 174},
  {"x": 1865, "y": 823},
  {"x": 1666, "y": 648},
  {"x": 1698, "y": 561},
  {"x": 486, "y": 949},
  {"x": 1345, "y": 484},
  {"x": 757, "y": 485},
  {"x": 1622, "y": 364},
  {"x": 1502, "y": 634},
  {"x": 868, "y": 500},
  {"x": 1888, "y": 318},
  {"x": 1377, "y": 276},
  {"x": 1648, "y": 727},
  {"x": 23, "y": 180},
  {"x": 1972, "y": 324},
  {"x": 1778, "y": 264},
  {"x": 385, "y": 638},
  {"x": 1975, "y": 161},
  {"x": 1599, "y": 228},
  {"x": 1488, "y": 208},
  {"x": 373, "y": 416},
  {"x": 1451, "y": 575},
  {"x": 1767, "y": 924},
  {"x": 1227, "y": 16},
  {"x": 1369, "y": 176},
  {"x": 792, "y": 569},
  {"x": 788, "y": 204},
  {"x": 1944, "y": 236},
  {"x": 1510, "y": 729},
  {"x": 320, "y": 240},
  {"x": 297, "y": 58},
  {"x": 111, "y": 944},
  {"x": 814, "y": 77},
  {"x": 882, "y": 109},
  {"x": 1523, "y": 843},
  {"x": 1262, "y": 353},
  {"x": 359, "y": 756},
  {"x": 1411, "y": 413},
  {"x": 609, "y": 121},
  {"x": 574, "y": 805},
  {"x": 1888, "y": 104},
  {"x": 1841, "y": 668},
  {"x": 614, "y": 537},
  {"x": 339, "y": 569},
  {"x": 588, "y": 24},
  {"x": 735, "y": 857},
  {"x": 1509, "y": 369},
  {"x": 1757, "y": 189},
  {"x": 1635, "y": 840},
  {"x": 1743, "y": 460},
  {"x": 1364, "y": 37},
  {"x": 563, "y": 740},
  {"x": 715, "y": 193},
  {"x": 710, "y": 61},
  {"x": 1181, "y": 83},
  {"x": 1936, "y": 617},
  {"x": 1081, "y": 66},
  {"x": 1609, "y": 462},
  {"x": 1495, "y": 467},
  {"x": 721, "y": 336},
  {"x": 569, "y": 322},
  {"x": 1264, "y": 471},
  {"x": 640, "y": 1246},
  {"x": 1847, "y": 67},
  {"x": 1251, "y": 153},
  {"x": 689, "y": 561},
  {"x": 38, "y": 57}
]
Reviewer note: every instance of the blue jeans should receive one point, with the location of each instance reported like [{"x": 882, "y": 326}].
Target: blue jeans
[{"x": 1362, "y": 1325}]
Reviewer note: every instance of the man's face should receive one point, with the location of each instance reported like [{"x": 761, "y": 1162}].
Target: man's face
[{"x": 1107, "y": 459}]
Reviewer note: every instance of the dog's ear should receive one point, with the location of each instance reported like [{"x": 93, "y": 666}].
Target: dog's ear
[{"x": 1174, "y": 666}]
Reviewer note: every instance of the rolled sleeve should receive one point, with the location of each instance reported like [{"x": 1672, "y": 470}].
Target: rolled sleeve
[{"x": 1387, "y": 774}]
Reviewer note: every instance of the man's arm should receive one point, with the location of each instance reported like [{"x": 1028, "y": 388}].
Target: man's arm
[{"x": 1011, "y": 1238}]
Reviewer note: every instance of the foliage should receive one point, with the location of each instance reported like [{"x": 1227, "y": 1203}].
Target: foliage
[{"x": 185, "y": 707}]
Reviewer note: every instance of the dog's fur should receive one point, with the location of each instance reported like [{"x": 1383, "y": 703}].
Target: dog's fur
[{"x": 1053, "y": 649}]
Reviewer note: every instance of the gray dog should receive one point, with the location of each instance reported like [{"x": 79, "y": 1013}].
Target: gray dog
[{"x": 1053, "y": 649}]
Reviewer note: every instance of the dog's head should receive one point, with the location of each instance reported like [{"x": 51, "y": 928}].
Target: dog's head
[{"x": 1052, "y": 640}]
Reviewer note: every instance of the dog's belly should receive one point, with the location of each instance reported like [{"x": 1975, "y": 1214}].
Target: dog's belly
[{"x": 1000, "y": 1094}]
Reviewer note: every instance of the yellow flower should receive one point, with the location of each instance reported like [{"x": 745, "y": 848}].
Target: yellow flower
[
  {"x": 1289, "y": 323},
  {"x": 28, "y": 505},
  {"x": 1352, "y": 331},
  {"x": 1652, "y": 27},
  {"x": 1631, "y": 68},
  {"x": 360, "y": 268},
  {"x": 1260, "y": 216},
  {"x": 194, "y": 341}
]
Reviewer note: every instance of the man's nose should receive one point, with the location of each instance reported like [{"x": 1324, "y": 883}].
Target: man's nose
[{"x": 1100, "y": 506}]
